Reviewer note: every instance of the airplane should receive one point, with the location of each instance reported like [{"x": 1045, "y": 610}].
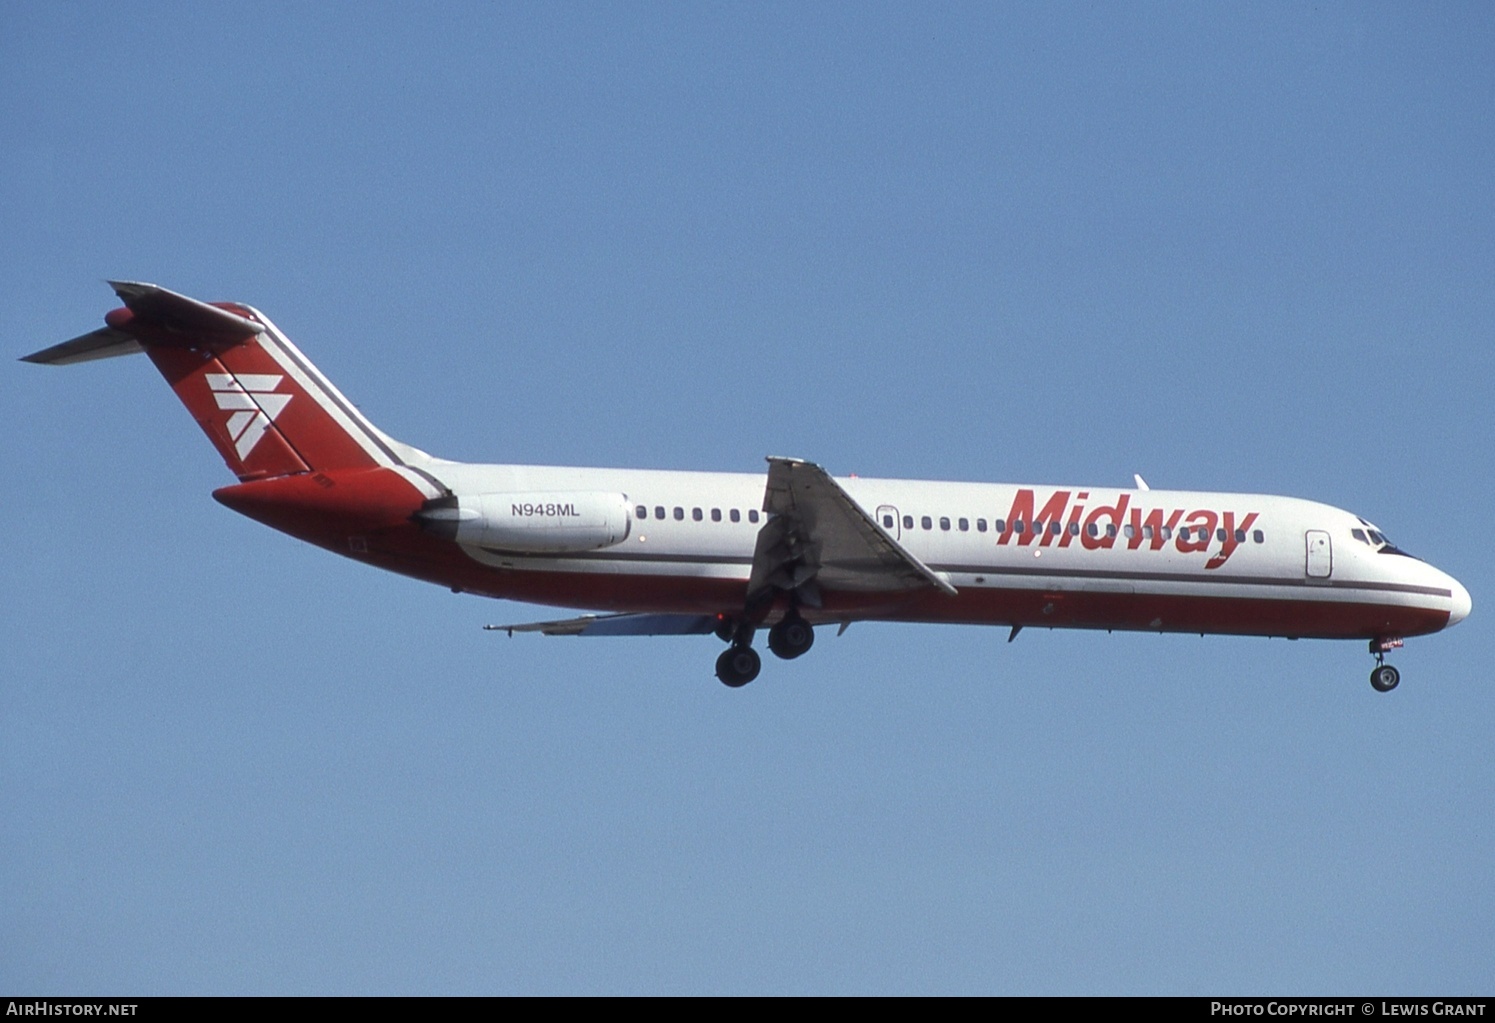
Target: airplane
[{"x": 651, "y": 552}]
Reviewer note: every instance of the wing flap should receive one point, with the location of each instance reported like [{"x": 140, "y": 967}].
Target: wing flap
[{"x": 618, "y": 625}]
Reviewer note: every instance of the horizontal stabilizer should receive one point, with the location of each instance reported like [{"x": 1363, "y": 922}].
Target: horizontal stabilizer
[
  {"x": 161, "y": 317},
  {"x": 158, "y": 307},
  {"x": 618, "y": 625},
  {"x": 104, "y": 343}
]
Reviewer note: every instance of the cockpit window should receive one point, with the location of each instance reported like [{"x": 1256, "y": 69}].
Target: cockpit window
[{"x": 1375, "y": 538}]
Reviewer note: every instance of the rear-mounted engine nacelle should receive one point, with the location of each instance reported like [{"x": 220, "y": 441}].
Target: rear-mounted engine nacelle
[{"x": 530, "y": 523}]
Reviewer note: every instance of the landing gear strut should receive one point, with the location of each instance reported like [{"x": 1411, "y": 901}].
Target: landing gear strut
[
  {"x": 1384, "y": 678},
  {"x": 792, "y": 637}
]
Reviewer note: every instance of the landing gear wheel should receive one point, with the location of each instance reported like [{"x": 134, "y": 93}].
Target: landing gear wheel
[
  {"x": 1385, "y": 678},
  {"x": 738, "y": 665},
  {"x": 791, "y": 637}
]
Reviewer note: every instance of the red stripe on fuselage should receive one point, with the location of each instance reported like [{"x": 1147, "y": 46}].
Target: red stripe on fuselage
[{"x": 416, "y": 555}]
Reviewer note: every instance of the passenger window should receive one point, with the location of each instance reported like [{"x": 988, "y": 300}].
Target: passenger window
[
  {"x": 1166, "y": 532},
  {"x": 1240, "y": 536},
  {"x": 1093, "y": 529},
  {"x": 752, "y": 514},
  {"x": 735, "y": 515},
  {"x": 1055, "y": 528},
  {"x": 980, "y": 525},
  {"x": 641, "y": 512},
  {"x": 999, "y": 525},
  {"x": 1111, "y": 529},
  {"x": 679, "y": 514},
  {"x": 908, "y": 522},
  {"x": 1130, "y": 530},
  {"x": 1019, "y": 527},
  {"x": 887, "y": 522},
  {"x": 1220, "y": 534},
  {"x": 695, "y": 513},
  {"x": 1256, "y": 535},
  {"x": 1183, "y": 534},
  {"x": 945, "y": 523},
  {"x": 659, "y": 511},
  {"x": 1147, "y": 532},
  {"x": 1074, "y": 529},
  {"x": 926, "y": 522},
  {"x": 716, "y": 515},
  {"x": 964, "y": 525}
]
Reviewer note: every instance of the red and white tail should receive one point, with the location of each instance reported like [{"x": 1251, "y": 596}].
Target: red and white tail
[{"x": 267, "y": 410}]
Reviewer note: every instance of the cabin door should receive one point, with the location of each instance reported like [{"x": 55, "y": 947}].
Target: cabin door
[
  {"x": 887, "y": 518},
  {"x": 1320, "y": 554}
]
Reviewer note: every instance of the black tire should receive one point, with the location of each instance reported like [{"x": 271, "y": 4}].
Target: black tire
[
  {"x": 1385, "y": 678},
  {"x": 738, "y": 665},
  {"x": 791, "y": 638}
]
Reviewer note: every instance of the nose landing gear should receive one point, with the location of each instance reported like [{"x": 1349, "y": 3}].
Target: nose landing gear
[{"x": 1385, "y": 677}]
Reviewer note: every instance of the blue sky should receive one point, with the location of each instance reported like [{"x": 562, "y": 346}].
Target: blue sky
[{"x": 1245, "y": 248}]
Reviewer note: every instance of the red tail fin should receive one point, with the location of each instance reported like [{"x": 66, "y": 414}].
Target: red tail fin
[
  {"x": 264, "y": 417},
  {"x": 238, "y": 409},
  {"x": 267, "y": 410}
]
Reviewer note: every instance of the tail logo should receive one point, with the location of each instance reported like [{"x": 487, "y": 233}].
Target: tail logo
[{"x": 252, "y": 404}]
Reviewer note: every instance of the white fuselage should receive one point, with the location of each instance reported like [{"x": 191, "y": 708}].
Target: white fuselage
[{"x": 1212, "y": 561}]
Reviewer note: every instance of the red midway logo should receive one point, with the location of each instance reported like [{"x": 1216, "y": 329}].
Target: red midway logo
[{"x": 1058, "y": 523}]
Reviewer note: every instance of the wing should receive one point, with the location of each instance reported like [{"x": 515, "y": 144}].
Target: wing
[
  {"x": 818, "y": 538},
  {"x": 618, "y": 625}
]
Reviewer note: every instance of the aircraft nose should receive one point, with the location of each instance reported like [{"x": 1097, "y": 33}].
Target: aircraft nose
[{"x": 1461, "y": 603}]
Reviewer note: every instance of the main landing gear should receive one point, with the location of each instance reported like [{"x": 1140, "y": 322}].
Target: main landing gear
[
  {"x": 1384, "y": 677},
  {"x": 739, "y": 664},
  {"x": 792, "y": 637}
]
